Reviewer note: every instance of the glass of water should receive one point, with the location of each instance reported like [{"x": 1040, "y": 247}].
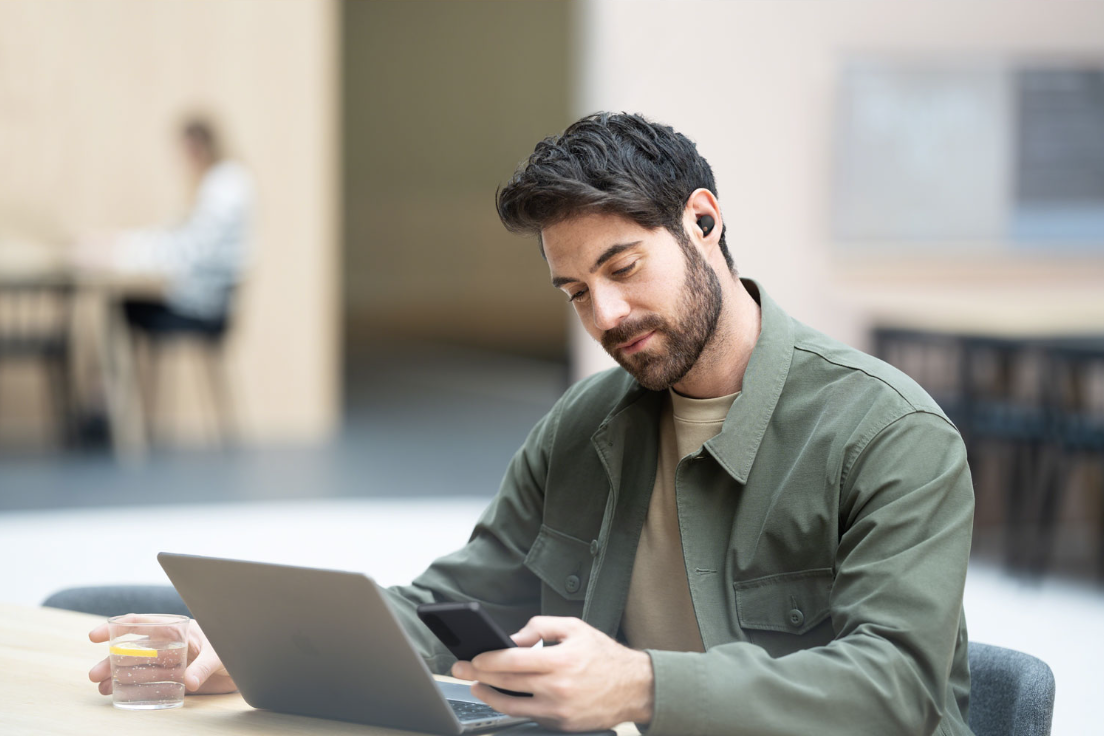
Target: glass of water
[{"x": 149, "y": 653}]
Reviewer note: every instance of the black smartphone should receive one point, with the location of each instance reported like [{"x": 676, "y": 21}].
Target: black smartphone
[{"x": 467, "y": 630}]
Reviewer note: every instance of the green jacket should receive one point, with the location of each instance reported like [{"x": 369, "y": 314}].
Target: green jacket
[{"x": 825, "y": 531}]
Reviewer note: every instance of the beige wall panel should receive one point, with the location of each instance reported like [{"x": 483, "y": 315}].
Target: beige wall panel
[
  {"x": 753, "y": 84},
  {"x": 91, "y": 94},
  {"x": 442, "y": 100}
]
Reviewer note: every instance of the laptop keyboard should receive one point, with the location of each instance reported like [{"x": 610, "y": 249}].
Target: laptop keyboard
[{"x": 466, "y": 711}]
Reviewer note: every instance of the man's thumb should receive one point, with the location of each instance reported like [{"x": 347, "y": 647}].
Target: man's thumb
[
  {"x": 526, "y": 637},
  {"x": 197, "y": 673}
]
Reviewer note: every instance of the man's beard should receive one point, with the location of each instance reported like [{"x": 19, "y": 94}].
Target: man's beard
[{"x": 686, "y": 338}]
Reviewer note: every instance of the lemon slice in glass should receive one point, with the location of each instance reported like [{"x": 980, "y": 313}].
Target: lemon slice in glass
[{"x": 129, "y": 650}]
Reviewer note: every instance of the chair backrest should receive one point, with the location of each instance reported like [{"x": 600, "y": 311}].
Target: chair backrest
[{"x": 1011, "y": 693}]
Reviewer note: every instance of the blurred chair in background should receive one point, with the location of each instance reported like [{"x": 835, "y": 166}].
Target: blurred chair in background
[
  {"x": 158, "y": 330},
  {"x": 1011, "y": 693},
  {"x": 35, "y": 325}
]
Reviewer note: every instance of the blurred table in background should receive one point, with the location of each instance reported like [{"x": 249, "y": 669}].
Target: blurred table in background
[{"x": 97, "y": 322}]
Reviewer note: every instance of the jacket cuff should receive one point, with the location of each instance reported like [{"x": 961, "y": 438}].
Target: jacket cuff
[{"x": 679, "y": 694}]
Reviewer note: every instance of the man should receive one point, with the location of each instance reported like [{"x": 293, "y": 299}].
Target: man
[{"x": 751, "y": 528}]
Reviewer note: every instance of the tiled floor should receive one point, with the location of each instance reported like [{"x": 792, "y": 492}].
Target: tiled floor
[{"x": 423, "y": 452}]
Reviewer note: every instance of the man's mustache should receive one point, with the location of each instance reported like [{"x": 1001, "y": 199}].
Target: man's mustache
[{"x": 626, "y": 331}]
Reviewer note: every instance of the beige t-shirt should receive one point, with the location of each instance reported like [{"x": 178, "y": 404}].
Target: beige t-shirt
[{"x": 659, "y": 613}]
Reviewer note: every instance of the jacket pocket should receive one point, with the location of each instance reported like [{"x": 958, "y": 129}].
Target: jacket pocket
[
  {"x": 562, "y": 562},
  {"x": 792, "y": 602}
]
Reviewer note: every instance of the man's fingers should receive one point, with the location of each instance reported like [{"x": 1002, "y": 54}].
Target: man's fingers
[
  {"x": 549, "y": 628},
  {"x": 202, "y": 667},
  {"x": 99, "y": 634},
  {"x": 197, "y": 673},
  {"x": 520, "y": 683},
  {"x": 105, "y": 687},
  {"x": 144, "y": 674},
  {"x": 519, "y": 660},
  {"x": 526, "y": 657},
  {"x": 509, "y": 704},
  {"x": 526, "y": 637},
  {"x": 101, "y": 671}
]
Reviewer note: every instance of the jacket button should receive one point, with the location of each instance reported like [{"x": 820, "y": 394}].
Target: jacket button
[
  {"x": 572, "y": 583},
  {"x": 796, "y": 617},
  {"x": 594, "y": 548}
]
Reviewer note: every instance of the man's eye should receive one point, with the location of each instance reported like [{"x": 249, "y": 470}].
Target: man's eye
[
  {"x": 578, "y": 295},
  {"x": 625, "y": 270}
]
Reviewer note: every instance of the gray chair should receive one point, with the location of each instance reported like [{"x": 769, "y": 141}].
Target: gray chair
[
  {"x": 115, "y": 600},
  {"x": 1011, "y": 693}
]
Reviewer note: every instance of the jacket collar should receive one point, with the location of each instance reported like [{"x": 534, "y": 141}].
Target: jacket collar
[{"x": 738, "y": 443}]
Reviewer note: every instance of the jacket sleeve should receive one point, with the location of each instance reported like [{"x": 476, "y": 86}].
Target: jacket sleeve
[
  {"x": 490, "y": 568},
  {"x": 906, "y": 512}
]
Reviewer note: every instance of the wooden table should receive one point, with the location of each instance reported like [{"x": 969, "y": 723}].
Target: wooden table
[{"x": 45, "y": 656}]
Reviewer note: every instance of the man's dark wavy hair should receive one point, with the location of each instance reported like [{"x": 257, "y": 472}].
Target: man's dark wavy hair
[{"x": 617, "y": 163}]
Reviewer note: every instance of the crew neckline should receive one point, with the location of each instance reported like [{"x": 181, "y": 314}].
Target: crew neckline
[{"x": 705, "y": 411}]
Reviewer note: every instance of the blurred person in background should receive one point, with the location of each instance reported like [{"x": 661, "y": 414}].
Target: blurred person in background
[
  {"x": 747, "y": 528},
  {"x": 203, "y": 257}
]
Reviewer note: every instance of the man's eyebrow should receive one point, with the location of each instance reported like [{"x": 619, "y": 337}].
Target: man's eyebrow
[{"x": 607, "y": 254}]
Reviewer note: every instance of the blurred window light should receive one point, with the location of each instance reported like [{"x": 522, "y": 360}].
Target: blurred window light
[{"x": 978, "y": 154}]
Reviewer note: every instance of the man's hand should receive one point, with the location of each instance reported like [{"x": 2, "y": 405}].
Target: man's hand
[
  {"x": 205, "y": 673},
  {"x": 587, "y": 681}
]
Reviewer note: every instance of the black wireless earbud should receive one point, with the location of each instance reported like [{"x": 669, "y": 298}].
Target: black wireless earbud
[{"x": 705, "y": 222}]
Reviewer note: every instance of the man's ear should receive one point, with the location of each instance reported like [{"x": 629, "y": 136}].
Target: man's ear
[{"x": 702, "y": 219}]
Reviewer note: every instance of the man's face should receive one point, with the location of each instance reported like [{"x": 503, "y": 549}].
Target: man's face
[
  {"x": 651, "y": 302},
  {"x": 197, "y": 157}
]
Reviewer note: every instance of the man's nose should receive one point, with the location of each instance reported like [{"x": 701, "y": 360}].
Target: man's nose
[{"x": 610, "y": 309}]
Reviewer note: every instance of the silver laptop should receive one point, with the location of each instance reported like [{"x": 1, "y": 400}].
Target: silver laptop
[{"x": 322, "y": 643}]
